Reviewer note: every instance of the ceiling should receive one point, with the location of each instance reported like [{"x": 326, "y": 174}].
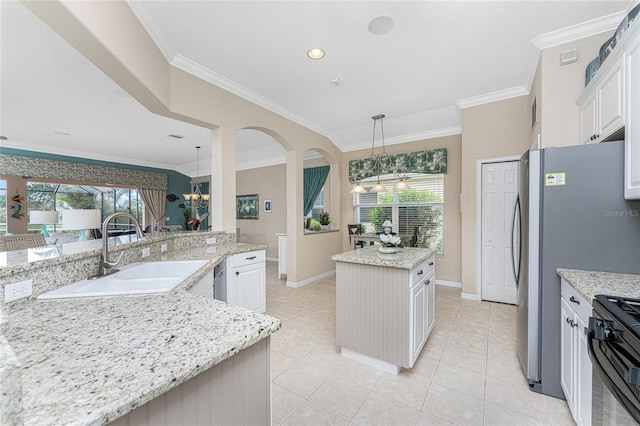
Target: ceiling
[{"x": 437, "y": 56}]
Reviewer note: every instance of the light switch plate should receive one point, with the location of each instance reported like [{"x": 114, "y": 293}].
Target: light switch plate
[
  {"x": 212, "y": 250},
  {"x": 211, "y": 240},
  {"x": 163, "y": 248},
  {"x": 18, "y": 290},
  {"x": 146, "y": 252}
]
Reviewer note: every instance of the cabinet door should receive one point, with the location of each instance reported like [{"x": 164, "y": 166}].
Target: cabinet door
[
  {"x": 567, "y": 351},
  {"x": 430, "y": 303},
  {"x": 583, "y": 375},
  {"x": 250, "y": 286},
  {"x": 588, "y": 122},
  {"x": 632, "y": 128},
  {"x": 418, "y": 319},
  {"x": 610, "y": 102}
]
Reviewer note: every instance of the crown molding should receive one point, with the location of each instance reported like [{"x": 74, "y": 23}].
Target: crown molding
[
  {"x": 579, "y": 31},
  {"x": 488, "y": 98},
  {"x": 25, "y": 146},
  {"x": 150, "y": 23},
  {"x": 532, "y": 65},
  {"x": 412, "y": 137},
  {"x": 194, "y": 68}
]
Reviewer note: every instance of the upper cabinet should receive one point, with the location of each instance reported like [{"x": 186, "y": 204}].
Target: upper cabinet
[
  {"x": 632, "y": 129},
  {"x": 611, "y": 101}
]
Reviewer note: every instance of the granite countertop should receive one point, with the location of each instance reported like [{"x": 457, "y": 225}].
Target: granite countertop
[
  {"x": 92, "y": 360},
  {"x": 591, "y": 283},
  {"x": 406, "y": 258}
]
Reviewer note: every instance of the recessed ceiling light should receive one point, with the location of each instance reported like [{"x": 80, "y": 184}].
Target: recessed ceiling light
[
  {"x": 336, "y": 81},
  {"x": 61, "y": 133},
  {"x": 315, "y": 53},
  {"x": 381, "y": 25}
]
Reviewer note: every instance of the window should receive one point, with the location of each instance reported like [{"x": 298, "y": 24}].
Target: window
[
  {"x": 421, "y": 206},
  {"x": 60, "y": 196},
  {"x": 318, "y": 206}
]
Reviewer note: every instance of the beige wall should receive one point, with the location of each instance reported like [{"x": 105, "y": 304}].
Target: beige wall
[
  {"x": 561, "y": 86},
  {"x": 448, "y": 267},
  {"x": 268, "y": 183},
  {"x": 492, "y": 130}
]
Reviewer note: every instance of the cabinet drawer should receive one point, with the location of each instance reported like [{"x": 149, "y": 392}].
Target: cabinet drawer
[
  {"x": 578, "y": 303},
  {"x": 422, "y": 270},
  {"x": 248, "y": 258}
]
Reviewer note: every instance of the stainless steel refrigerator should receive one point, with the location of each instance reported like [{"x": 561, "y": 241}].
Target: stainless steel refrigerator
[{"x": 570, "y": 213}]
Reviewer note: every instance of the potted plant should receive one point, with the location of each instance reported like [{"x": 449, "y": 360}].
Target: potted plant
[{"x": 324, "y": 221}]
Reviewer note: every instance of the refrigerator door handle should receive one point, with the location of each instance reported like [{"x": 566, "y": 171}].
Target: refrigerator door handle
[{"x": 516, "y": 213}]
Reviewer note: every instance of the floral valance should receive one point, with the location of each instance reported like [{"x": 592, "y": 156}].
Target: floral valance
[
  {"x": 64, "y": 170},
  {"x": 432, "y": 161}
]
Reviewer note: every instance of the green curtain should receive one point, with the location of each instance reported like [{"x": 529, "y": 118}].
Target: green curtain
[
  {"x": 432, "y": 161},
  {"x": 314, "y": 179}
]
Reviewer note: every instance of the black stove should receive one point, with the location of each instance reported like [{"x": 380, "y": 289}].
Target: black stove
[{"x": 614, "y": 348}]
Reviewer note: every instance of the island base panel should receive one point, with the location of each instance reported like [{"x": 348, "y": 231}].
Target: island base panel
[{"x": 236, "y": 391}]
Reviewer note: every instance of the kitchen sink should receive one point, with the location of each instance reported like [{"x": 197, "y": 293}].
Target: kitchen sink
[{"x": 136, "y": 278}]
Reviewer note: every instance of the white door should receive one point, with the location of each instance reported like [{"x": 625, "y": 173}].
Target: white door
[{"x": 499, "y": 193}]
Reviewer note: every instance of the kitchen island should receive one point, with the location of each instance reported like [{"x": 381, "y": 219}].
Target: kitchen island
[
  {"x": 144, "y": 359},
  {"x": 385, "y": 305}
]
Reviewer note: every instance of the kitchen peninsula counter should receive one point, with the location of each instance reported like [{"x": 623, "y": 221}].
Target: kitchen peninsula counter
[
  {"x": 92, "y": 360},
  {"x": 591, "y": 283},
  {"x": 406, "y": 258}
]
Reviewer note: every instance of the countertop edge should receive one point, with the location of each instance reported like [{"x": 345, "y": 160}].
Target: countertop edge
[{"x": 591, "y": 283}]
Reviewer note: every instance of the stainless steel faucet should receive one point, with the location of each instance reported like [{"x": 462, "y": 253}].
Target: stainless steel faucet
[{"x": 107, "y": 267}]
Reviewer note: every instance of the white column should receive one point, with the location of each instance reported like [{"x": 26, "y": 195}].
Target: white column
[{"x": 223, "y": 179}]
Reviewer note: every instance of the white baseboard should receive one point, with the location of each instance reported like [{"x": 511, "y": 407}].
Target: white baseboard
[
  {"x": 449, "y": 283},
  {"x": 296, "y": 284},
  {"x": 469, "y": 296},
  {"x": 378, "y": 364},
  {"x": 271, "y": 259}
]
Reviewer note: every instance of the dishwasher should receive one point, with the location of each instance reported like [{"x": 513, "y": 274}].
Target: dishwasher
[{"x": 220, "y": 281}]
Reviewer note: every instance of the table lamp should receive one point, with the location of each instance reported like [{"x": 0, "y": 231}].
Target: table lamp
[
  {"x": 82, "y": 220},
  {"x": 44, "y": 218}
]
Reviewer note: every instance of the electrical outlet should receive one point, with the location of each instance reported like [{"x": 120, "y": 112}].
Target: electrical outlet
[
  {"x": 211, "y": 240},
  {"x": 146, "y": 252},
  {"x": 18, "y": 290},
  {"x": 212, "y": 250},
  {"x": 163, "y": 248}
]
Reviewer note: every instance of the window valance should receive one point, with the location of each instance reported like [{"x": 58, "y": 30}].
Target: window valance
[
  {"x": 65, "y": 170},
  {"x": 433, "y": 161}
]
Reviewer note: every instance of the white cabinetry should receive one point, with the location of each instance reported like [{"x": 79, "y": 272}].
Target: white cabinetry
[
  {"x": 611, "y": 102},
  {"x": 247, "y": 283},
  {"x": 204, "y": 287},
  {"x": 282, "y": 255},
  {"x": 575, "y": 366},
  {"x": 602, "y": 105},
  {"x": 632, "y": 129},
  {"x": 421, "y": 307}
]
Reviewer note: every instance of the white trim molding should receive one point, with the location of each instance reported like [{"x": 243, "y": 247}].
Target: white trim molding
[
  {"x": 579, "y": 31},
  {"x": 496, "y": 96},
  {"x": 446, "y": 283},
  {"x": 469, "y": 296},
  {"x": 296, "y": 284}
]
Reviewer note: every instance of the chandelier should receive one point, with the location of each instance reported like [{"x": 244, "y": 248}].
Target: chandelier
[
  {"x": 378, "y": 159},
  {"x": 196, "y": 198}
]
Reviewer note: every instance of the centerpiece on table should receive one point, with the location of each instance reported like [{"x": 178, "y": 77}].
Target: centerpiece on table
[{"x": 389, "y": 243}]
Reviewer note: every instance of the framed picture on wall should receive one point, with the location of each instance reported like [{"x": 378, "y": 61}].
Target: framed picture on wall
[
  {"x": 247, "y": 206},
  {"x": 267, "y": 206}
]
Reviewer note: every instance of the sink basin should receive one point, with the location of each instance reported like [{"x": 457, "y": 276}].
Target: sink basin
[{"x": 136, "y": 278}]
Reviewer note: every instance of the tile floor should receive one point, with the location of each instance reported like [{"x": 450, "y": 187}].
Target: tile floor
[{"x": 467, "y": 374}]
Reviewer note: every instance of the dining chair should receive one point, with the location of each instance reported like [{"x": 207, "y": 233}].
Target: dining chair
[
  {"x": 356, "y": 229},
  {"x": 414, "y": 237}
]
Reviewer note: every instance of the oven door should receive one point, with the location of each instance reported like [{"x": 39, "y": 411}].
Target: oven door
[{"x": 615, "y": 401}]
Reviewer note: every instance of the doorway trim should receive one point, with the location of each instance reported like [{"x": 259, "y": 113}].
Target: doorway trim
[{"x": 479, "y": 163}]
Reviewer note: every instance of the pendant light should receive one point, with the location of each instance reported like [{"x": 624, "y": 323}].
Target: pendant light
[
  {"x": 196, "y": 198},
  {"x": 357, "y": 189},
  {"x": 378, "y": 158}
]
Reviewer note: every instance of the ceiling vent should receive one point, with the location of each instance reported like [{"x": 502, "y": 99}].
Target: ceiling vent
[
  {"x": 175, "y": 136},
  {"x": 568, "y": 56}
]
